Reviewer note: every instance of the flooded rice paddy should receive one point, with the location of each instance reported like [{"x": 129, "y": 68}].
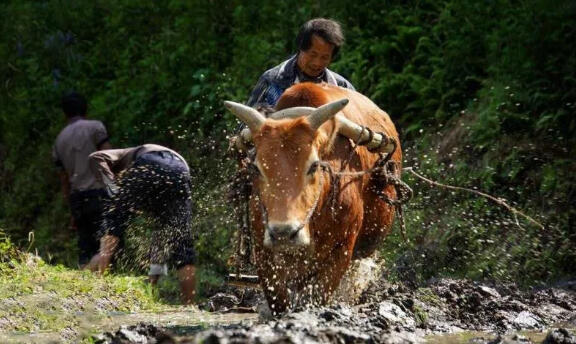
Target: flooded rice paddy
[
  {"x": 443, "y": 311},
  {"x": 180, "y": 322}
]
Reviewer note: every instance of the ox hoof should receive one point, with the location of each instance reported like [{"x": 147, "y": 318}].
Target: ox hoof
[{"x": 264, "y": 312}]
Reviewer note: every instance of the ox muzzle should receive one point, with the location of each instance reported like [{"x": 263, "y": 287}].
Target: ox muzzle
[{"x": 286, "y": 234}]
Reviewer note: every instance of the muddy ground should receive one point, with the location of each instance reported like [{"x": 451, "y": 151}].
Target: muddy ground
[{"x": 390, "y": 313}]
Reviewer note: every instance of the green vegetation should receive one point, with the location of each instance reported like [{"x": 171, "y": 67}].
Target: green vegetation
[
  {"x": 484, "y": 94},
  {"x": 427, "y": 295},
  {"x": 420, "y": 315},
  {"x": 35, "y": 296}
]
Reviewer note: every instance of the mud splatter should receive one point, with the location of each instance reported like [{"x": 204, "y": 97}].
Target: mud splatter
[{"x": 394, "y": 313}]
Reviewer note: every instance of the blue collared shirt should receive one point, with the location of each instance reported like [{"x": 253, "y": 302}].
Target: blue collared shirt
[{"x": 275, "y": 81}]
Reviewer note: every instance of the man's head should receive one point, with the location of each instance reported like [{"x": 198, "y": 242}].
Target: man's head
[
  {"x": 318, "y": 42},
  {"x": 74, "y": 104}
]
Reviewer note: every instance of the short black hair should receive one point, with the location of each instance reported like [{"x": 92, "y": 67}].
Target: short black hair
[
  {"x": 74, "y": 104},
  {"x": 328, "y": 29}
]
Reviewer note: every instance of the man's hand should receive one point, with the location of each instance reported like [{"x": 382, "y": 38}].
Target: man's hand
[
  {"x": 64, "y": 185},
  {"x": 101, "y": 261},
  {"x": 111, "y": 189},
  {"x": 110, "y": 186},
  {"x": 93, "y": 264},
  {"x": 72, "y": 225}
]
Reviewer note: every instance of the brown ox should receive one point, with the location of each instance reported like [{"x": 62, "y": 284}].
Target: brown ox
[{"x": 304, "y": 240}]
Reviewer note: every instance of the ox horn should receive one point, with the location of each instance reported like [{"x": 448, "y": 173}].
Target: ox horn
[
  {"x": 293, "y": 112},
  {"x": 325, "y": 112},
  {"x": 246, "y": 114}
]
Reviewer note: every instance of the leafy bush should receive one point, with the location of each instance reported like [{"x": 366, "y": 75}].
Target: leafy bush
[{"x": 488, "y": 85}]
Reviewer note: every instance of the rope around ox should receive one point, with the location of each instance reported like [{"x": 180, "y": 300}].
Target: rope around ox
[
  {"x": 499, "y": 201},
  {"x": 388, "y": 171},
  {"x": 392, "y": 178},
  {"x": 396, "y": 181}
]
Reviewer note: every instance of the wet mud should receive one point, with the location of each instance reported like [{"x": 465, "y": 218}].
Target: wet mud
[{"x": 443, "y": 311}]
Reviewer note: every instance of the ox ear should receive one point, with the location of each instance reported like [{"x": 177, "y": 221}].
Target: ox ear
[
  {"x": 325, "y": 112},
  {"x": 246, "y": 114}
]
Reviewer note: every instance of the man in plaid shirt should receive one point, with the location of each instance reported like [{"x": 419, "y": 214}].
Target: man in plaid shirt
[{"x": 318, "y": 42}]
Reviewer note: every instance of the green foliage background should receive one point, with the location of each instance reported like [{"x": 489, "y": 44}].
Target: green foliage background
[{"x": 483, "y": 92}]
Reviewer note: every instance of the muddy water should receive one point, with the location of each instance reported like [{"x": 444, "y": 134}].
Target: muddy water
[
  {"x": 183, "y": 321},
  {"x": 481, "y": 337},
  {"x": 443, "y": 311},
  {"x": 178, "y": 317}
]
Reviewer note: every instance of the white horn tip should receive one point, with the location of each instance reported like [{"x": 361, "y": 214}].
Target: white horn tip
[{"x": 228, "y": 104}]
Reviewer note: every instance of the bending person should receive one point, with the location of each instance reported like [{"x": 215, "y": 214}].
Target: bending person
[{"x": 155, "y": 180}]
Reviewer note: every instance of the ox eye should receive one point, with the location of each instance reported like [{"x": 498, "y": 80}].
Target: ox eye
[{"x": 313, "y": 168}]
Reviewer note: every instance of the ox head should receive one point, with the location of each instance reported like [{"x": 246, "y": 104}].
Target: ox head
[{"x": 287, "y": 169}]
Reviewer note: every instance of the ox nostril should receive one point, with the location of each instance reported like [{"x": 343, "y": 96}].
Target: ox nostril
[
  {"x": 279, "y": 232},
  {"x": 294, "y": 233}
]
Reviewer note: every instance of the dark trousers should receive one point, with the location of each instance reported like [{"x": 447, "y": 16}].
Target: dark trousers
[
  {"x": 87, "y": 208},
  {"x": 157, "y": 184}
]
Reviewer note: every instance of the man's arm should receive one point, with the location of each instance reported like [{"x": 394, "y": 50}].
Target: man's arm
[
  {"x": 349, "y": 85},
  {"x": 342, "y": 81},
  {"x": 101, "y": 163},
  {"x": 64, "y": 184},
  {"x": 104, "y": 162},
  {"x": 100, "y": 136},
  {"x": 100, "y": 262},
  {"x": 102, "y": 169},
  {"x": 65, "y": 187},
  {"x": 62, "y": 174}
]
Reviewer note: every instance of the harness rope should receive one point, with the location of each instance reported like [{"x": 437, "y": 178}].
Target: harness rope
[{"x": 384, "y": 170}]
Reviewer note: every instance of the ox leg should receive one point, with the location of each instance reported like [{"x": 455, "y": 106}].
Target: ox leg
[
  {"x": 329, "y": 276},
  {"x": 276, "y": 294},
  {"x": 378, "y": 219},
  {"x": 272, "y": 274},
  {"x": 274, "y": 284}
]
